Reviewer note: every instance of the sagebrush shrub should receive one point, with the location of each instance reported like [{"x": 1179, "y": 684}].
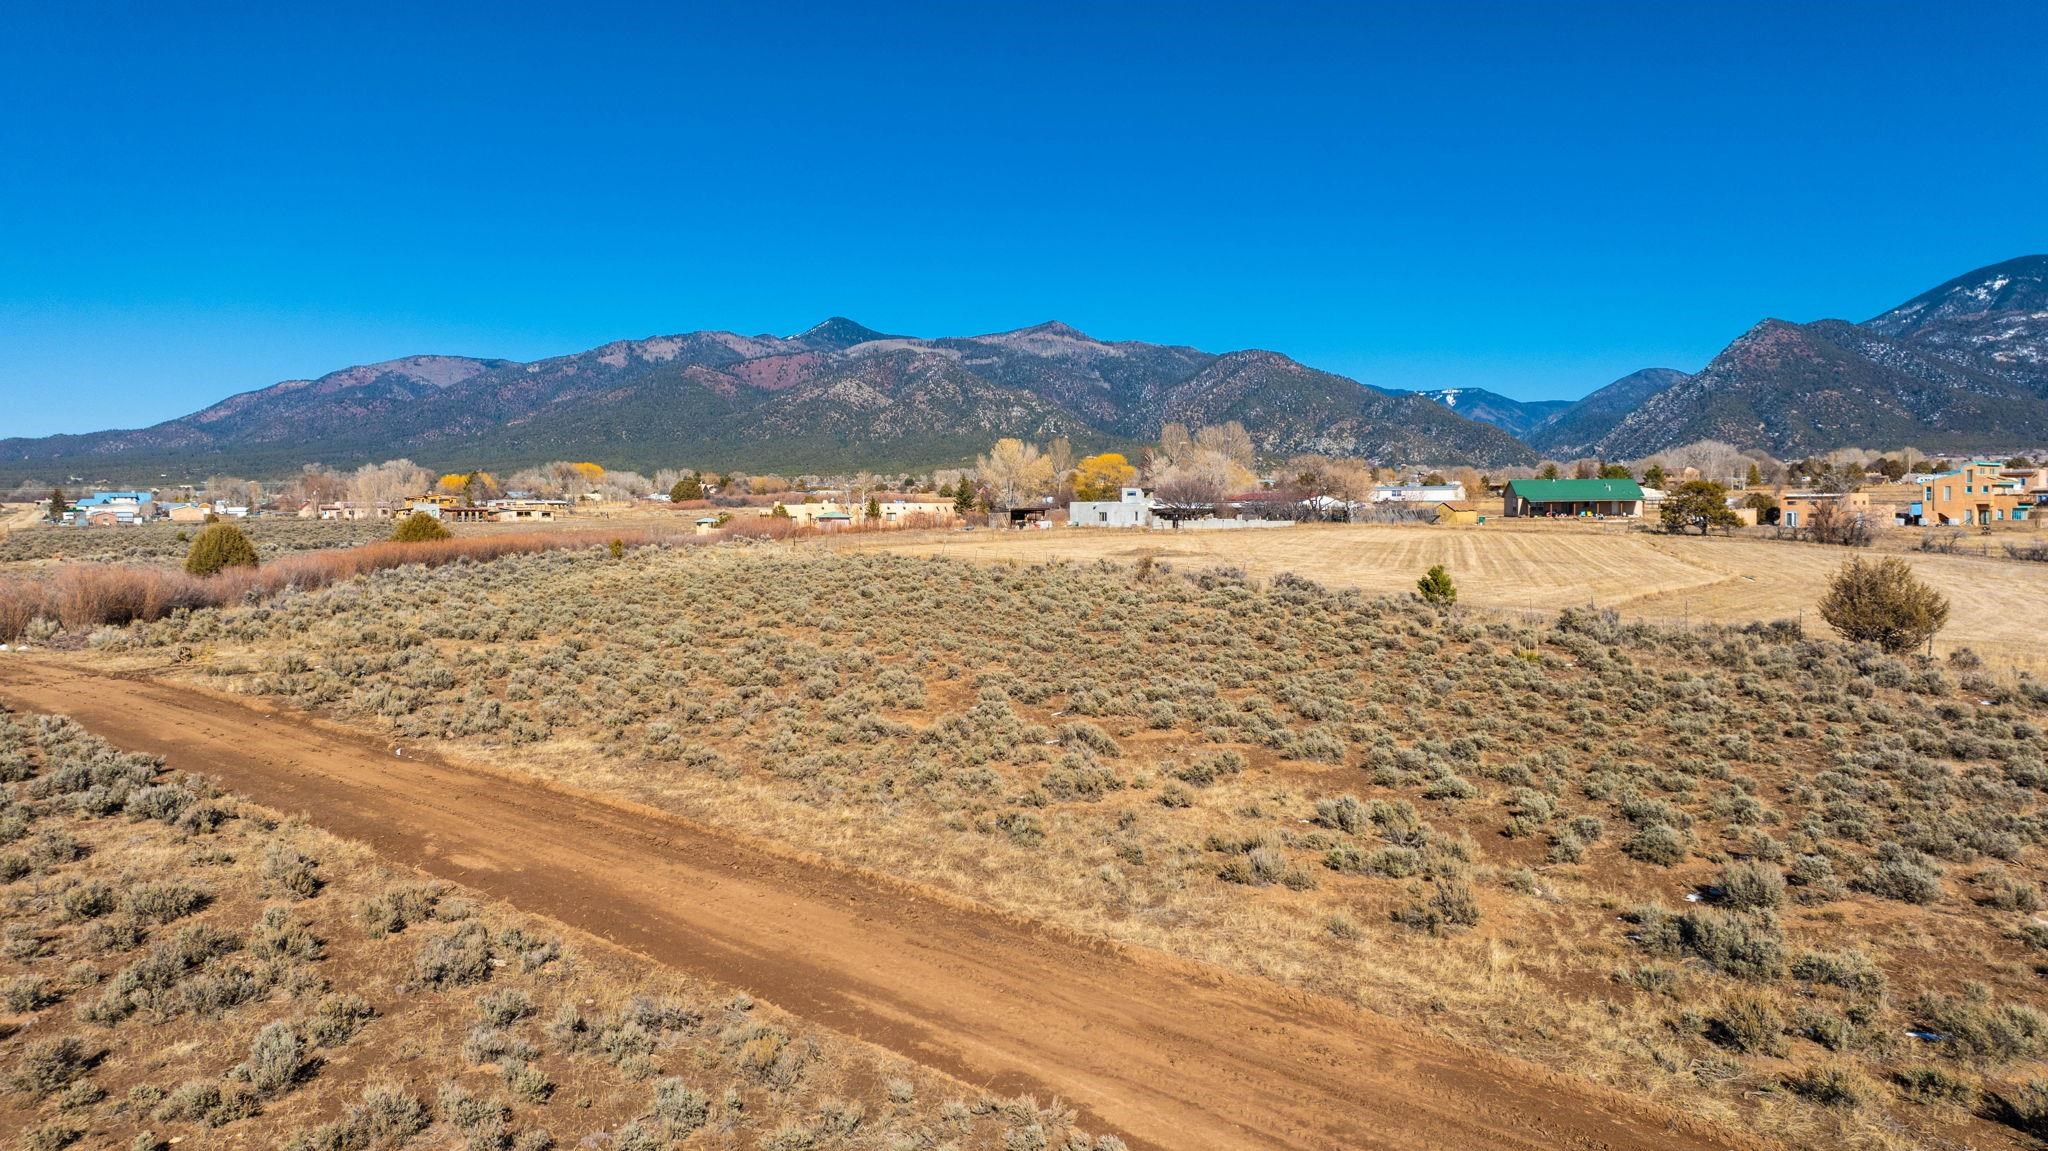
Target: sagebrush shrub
[
  {"x": 1833, "y": 1086},
  {"x": 277, "y": 1057},
  {"x": 47, "y": 1066},
  {"x": 1750, "y": 1024},
  {"x": 1752, "y": 886}
]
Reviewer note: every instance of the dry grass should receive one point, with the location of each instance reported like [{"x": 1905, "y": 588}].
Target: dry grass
[
  {"x": 1317, "y": 787},
  {"x": 165, "y": 542},
  {"x": 82, "y": 596},
  {"x": 316, "y": 995},
  {"x": 1544, "y": 567}
]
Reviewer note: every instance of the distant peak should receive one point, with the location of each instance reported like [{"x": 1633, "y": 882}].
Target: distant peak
[
  {"x": 2016, "y": 285},
  {"x": 840, "y": 332},
  {"x": 1052, "y": 328}
]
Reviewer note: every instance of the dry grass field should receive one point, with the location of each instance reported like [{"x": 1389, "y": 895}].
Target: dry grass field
[
  {"x": 1543, "y": 567},
  {"x": 1730, "y": 870},
  {"x": 181, "y": 966},
  {"x": 17, "y": 517}
]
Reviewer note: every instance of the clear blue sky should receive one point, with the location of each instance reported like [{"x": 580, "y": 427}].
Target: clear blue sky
[{"x": 1535, "y": 198}]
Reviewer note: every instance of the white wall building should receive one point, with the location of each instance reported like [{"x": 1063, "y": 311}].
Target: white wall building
[
  {"x": 1131, "y": 509},
  {"x": 1418, "y": 493}
]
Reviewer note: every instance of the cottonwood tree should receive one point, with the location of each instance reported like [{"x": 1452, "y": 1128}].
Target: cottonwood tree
[
  {"x": 1321, "y": 487},
  {"x": 1710, "y": 459},
  {"x": 1229, "y": 441},
  {"x": 1014, "y": 471},
  {"x": 1101, "y": 477},
  {"x": 1214, "y": 461},
  {"x": 317, "y": 485},
  {"x": 1186, "y": 493},
  {"x": 234, "y": 490},
  {"x": 388, "y": 482}
]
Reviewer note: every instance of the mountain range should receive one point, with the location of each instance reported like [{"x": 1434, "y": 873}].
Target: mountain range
[
  {"x": 838, "y": 396},
  {"x": 1961, "y": 367}
]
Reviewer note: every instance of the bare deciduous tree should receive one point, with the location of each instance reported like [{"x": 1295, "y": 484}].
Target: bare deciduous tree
[{"x": 389, "y": 482}]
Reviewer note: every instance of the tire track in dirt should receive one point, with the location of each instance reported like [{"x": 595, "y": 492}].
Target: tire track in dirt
[{"x": 1167, "y": 1053}]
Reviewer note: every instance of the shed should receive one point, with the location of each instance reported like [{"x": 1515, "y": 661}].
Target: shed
[{"x": 1458, "y": 512}]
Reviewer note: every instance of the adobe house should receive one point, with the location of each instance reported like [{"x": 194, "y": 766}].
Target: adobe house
[
  {"x": 1131, "y": 509},
  {"x": 1795, "y": 509},
  {"x": 900, "y": 512},
  {"x": 1572, "y": 498},
  {"x": 1979, "y": 493}
]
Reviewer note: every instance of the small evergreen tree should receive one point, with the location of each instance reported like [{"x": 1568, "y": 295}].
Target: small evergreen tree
[
  {"x": 874, "y": 510},
  {"x": 219, "y": 547},
  {"x": 1756, "y": 475},
  {"x": 1436, "y": 588},
  {"x": 1614, "y": 472},
  {"x": 780, "y": 512},
  {"x": 1653, "y": 476},
  {"x": 963, "y": 500},
  {"x": 419, "y": 527},
  {"x": 1701, "y": 504},
  {"x": 1882, "y": 602},
  {"x": 690, "y": 487},
  {"x": 57, "y": 505},
  {"x": 1549, "y": 471}
]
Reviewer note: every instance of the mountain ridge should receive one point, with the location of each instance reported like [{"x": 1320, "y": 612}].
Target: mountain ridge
[
  {"x": 1960, "y": 367},
  {"x": 838, "y": 395}
]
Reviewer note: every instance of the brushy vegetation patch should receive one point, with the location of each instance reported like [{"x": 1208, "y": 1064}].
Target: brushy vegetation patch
[
  {"x": 1701, "y": 863},
  {"x": 273, "y": 536},
  {"x": 182, "y": 967},
  {"x": 80, "y": 597}
]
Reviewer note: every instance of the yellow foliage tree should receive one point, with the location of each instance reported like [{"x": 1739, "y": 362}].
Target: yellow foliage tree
[
  {"x": 589, "y": 471},
  {"x": 452, "y": 483},
  {"x": 1101, "y": 477}
]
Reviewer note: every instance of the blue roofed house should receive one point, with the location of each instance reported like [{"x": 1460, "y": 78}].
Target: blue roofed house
[{"x": 103, "y": 508}]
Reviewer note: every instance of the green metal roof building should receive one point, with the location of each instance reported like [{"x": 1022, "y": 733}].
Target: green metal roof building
[{"x": 1572, "y": 498}]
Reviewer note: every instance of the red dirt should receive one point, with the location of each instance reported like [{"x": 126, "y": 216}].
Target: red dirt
[{"x": 1167, "y": 1053}]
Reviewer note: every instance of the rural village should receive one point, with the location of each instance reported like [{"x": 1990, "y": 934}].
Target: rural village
[{"x": 1388, "y": 577}]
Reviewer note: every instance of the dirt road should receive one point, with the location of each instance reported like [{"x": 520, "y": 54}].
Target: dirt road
[{"x": 1167, "y": 1054}]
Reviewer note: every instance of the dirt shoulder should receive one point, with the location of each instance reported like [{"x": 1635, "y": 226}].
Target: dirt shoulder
[{"x": 1168, "y": 1053}]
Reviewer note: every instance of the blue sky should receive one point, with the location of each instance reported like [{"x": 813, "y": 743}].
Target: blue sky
[{"x": 1532, "y": 198}]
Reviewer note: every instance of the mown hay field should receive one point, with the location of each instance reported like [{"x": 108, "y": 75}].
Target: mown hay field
[
  {"x": 183, "y": 967},
  {"x": 1733, "y": 869},
  {"x": 1544, "y": 567}
]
